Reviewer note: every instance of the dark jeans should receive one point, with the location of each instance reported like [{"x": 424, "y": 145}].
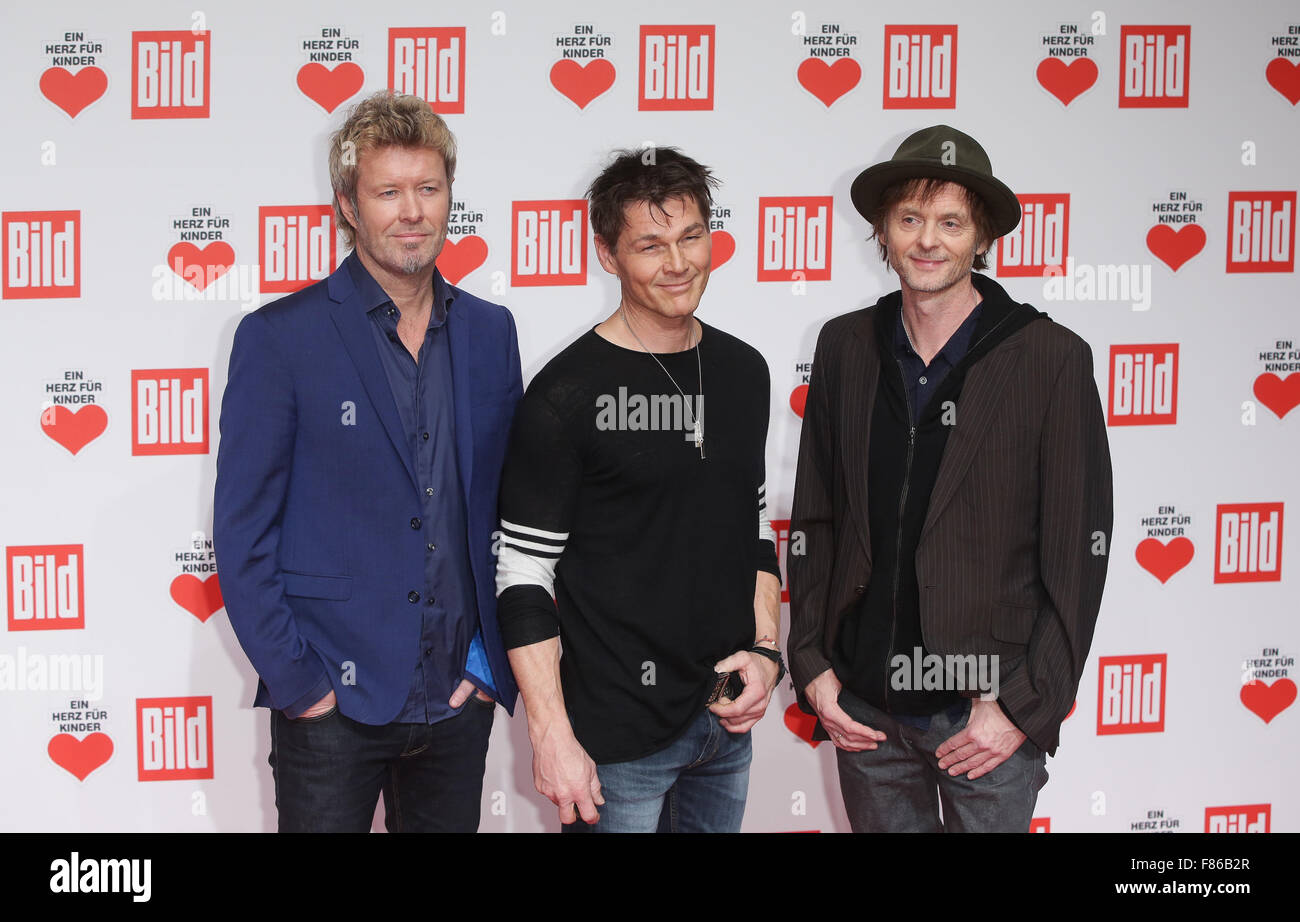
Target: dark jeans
[
  {"x": 899, "y": 786},
  {"x": 330, "y": 770}
]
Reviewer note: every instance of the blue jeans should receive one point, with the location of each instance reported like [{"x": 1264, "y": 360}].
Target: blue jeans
[
  {"x": 899, "y": 786},
  {"x": 330, "y": 770},
  {"x": 697, "y": 784}
]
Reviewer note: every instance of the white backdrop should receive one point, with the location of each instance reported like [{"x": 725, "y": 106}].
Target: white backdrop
[{"x": 132, "y": 155}]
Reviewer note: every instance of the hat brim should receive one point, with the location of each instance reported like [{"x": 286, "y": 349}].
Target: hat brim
[{"x": 871, "y": 183}]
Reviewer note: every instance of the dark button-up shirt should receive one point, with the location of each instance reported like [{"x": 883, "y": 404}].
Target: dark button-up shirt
[
  {"x": 422, "y": 390},
  {"x": 923, "y": 380}
]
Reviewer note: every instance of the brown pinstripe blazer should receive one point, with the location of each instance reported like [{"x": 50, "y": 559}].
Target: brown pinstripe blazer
[{"x": 1006, "y": 560}]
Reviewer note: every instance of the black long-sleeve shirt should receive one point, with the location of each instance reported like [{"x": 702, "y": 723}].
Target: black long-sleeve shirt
[{"x": 651, "y": 551}]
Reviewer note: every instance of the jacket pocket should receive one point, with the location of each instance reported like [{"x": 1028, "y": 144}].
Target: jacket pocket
[
  {"x": 1013, "y": 623},
  {"x": 307, "y": 586}
]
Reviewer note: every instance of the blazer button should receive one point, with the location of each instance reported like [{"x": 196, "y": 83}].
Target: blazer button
[
  {"x": 859, "y": 589},
  {"x": 413, "y": 597},
  {"x": 415, "y": 522}
]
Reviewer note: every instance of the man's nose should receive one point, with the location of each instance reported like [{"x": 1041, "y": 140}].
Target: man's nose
[
  {"x": 410, "y": 210},
  {"x": 674, "y": 258}
]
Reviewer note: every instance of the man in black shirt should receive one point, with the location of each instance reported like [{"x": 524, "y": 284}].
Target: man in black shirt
[
  {"x": 634, "y": 532},
  {"x": 954, "y": 497}
]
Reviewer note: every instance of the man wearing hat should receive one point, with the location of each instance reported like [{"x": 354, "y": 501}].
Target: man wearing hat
[{"x": 954, "y": 498}]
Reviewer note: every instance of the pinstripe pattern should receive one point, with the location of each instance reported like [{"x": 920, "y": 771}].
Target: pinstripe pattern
[{"x": 1005, "y": 562}]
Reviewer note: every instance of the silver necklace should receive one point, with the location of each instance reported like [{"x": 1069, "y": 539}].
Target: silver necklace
[{"x": 695, "y": 419}]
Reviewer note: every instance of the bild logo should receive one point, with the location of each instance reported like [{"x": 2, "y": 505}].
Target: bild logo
[
  {"x": 1131, "y": 694},
  {"x": 297, "y": 243},
  {"x": 920, "y": 67},
  {"x": 173, "y": 738},
  {"x": 1261, "y": 231},
  {"x": 429, "y": 63},
  {"x": 47, "y": 587},
  {"x": 1040, "y": 243},
  {"x": 794, "y": 238},
  {"x": 169, "y": 411},
  {"x": 169, "y": 74},
  {"x": 549, "y": 243},
  {"x": 1248, "y": 543},
  {"x": 1153, "y": 69},
  {"x": 42, "y": 254},
  {"x": 1143, "y": 385},
  {"x": 1244, "y": 818},
  {"x": 676, "y": 69}
]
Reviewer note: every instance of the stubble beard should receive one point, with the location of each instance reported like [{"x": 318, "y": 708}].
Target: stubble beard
[
  {"x": 906, "y": 273},
  {"x": 413, "y": 263}
]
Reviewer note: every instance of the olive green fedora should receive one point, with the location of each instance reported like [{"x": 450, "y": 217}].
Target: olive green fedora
[{"x": 940, "y": 152}]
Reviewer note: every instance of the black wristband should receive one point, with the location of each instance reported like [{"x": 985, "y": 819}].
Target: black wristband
[{"x": 774, "y": 656}]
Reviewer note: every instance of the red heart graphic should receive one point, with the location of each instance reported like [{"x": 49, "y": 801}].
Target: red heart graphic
[
  {"x": 724, "y": 247},
  {"x": 458, "y": 260},
  {"x": 74, "y": 429},
  {"x": 798, "y": 399},
  {"x": 1164, "y": 560},
  {"x": 1267, "y": 701},
  {"x": 1284, "y": 76},
  {"x": 73, "y": 92},
  {"x": 1066, "y": 81},
  {"x": 1175, "y": 247},
  {"x": 582, "y": 82},
  {"x": 80, "y": 757},
  {"x": 828, "y": 82},
  {"x": 201, "y": 267},
  {"x": 329, "y": 88},
  {"x": 198, "y": 597},
  {"x": 1280, "y": 396},
  {"x": 801, "y": 725}
]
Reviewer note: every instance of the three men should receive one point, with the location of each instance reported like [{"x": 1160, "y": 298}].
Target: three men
[
  {"x": 364, "y": 429},
  {"x": 954, "y": 497},
  {"x": 634, "y": 532}
]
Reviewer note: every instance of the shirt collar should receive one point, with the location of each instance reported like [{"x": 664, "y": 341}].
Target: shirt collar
[
  {"x": 957, "y": 345},
  {"x": 372, "y": 294}
]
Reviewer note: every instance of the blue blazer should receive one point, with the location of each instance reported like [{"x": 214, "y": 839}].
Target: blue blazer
[{"x": 316, "y": 489}]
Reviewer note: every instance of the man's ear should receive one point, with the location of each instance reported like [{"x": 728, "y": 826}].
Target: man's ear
[
  {"x": 605, "y": 253},
  {"x": 347, "y": 207},
  {"x": 881, "y": 236}
]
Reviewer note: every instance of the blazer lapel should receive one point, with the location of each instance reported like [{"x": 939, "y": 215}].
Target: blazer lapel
[
  {"x": 354, "y": 327},
  {"x": 976, "y": 411},
  {"x": 857, "y": 399},
  {"x": 459, "y": 340}
]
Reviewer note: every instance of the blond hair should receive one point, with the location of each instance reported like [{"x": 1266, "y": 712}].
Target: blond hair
[{"x": 383, "y": 120}]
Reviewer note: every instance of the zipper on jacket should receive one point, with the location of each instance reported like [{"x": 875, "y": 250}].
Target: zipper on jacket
[{"x": 902, "y": 503}]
